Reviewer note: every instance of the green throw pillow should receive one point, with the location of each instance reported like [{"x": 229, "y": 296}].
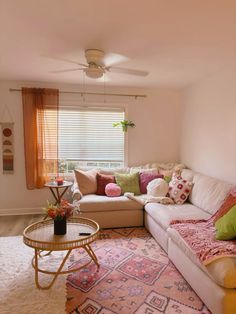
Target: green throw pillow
[
  {"x": 167, "y": 179},
  {"x": 128, "y": 182},
  {"x": 226, "y": 225}
]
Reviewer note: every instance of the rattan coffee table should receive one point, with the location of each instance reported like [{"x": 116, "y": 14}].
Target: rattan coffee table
[{"x": 40, "y": 236}]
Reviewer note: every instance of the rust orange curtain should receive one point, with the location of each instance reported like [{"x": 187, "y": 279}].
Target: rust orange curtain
[{"x": 40, "y": 118}]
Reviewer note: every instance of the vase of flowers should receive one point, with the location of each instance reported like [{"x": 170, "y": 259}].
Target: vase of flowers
[{"x": 59, "y": 213}]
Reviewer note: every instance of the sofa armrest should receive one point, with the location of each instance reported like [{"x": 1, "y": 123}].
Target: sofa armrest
[{"x": 76, "y": 194}]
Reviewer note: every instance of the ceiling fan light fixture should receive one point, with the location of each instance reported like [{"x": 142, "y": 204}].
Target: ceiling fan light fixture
[
  {"x": 94, "y": 72},
  {"x": 94, "y": 56}
]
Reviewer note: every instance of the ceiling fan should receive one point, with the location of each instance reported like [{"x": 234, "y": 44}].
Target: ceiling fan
[{"x": 97, "y": 66}]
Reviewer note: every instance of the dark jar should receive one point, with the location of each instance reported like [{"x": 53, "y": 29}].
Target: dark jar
[{"x": 60, "y": 226}]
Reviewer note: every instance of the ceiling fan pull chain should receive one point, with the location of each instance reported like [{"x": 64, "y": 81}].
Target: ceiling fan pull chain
[
  {"x": 104, "y": 89},
  {"x": 83, "y": 95}
]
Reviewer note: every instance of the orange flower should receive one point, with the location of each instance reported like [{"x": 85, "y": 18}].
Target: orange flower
[{"x": 61, "y": 210}]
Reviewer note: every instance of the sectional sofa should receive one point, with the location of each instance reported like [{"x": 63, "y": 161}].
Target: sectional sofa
[{"x": 216, "y": 283}]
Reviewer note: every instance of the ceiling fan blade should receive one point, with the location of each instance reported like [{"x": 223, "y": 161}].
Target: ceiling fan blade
[
  {"x": 66, "y": 70},
  {"x": 113, "y": 58},
  {"x": 65, "y": 60},
  {"x": 127, "y": 71}
]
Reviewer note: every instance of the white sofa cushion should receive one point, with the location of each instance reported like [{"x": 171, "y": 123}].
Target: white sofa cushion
[
  {"x": 164, "y": 214},
  {"x": 174, "y": 167},
  {"x": 208, "y": 193},
  {"x": 112, "y": 171},
  {"x": 222, "y": 270},
  {"x": 100, "y": 203}
]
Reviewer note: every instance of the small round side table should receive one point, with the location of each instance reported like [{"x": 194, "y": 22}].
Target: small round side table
[{"x": 58, "y": 190}]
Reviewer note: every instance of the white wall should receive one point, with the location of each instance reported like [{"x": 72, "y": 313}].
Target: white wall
[
  {"x": 208, "y": 140},
  {"x": 157, "y": 134},
  {"x": 155, "y": 138}
]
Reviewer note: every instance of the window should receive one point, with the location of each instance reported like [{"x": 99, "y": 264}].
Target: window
[{"x": 87, "y": 138}]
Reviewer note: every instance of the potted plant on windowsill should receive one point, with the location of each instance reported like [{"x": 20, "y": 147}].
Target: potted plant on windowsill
[{"x": 124, "y": 124}]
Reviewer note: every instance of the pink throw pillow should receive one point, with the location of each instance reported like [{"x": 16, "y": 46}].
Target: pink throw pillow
[
  {"x": 179, "y": 189},
  {"x": 145, "y": 177},
  {"x": 102, "y": 181},
  {"x": 112, "y": 190}
]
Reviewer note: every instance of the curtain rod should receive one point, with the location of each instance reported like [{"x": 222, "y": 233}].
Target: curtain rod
[{"x": 89, "y": 93}]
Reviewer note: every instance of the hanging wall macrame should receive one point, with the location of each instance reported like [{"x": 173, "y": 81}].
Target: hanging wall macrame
[{"x": 7, "y": 131}]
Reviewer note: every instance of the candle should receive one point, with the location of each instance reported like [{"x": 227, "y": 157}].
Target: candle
[{"x": 59, "y": 181}]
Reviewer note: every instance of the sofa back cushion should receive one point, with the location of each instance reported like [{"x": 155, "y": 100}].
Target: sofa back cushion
[
  {"x": 187, "y": 174},
  {"x": 112, "y": 171},
  {"x": 208, "y": 193}
]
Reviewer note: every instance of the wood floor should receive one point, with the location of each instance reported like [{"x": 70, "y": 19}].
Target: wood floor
[{"x": 14, "y": 225}]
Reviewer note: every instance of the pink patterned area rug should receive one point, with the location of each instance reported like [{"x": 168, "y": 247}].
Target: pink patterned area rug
[{"x": 135, "y": 276}]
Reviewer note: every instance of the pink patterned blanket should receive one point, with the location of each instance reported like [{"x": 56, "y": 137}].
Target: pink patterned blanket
[{"x": 200, "y": 236}]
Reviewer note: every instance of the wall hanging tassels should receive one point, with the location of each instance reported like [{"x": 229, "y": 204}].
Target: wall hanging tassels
[{"x": 7, "y": 131}]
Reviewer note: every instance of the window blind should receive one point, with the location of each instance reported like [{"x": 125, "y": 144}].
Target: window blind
[{"x": 89, "y": 135}]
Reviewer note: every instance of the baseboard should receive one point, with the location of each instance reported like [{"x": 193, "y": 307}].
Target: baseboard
[{"x": 20, "y": 211}]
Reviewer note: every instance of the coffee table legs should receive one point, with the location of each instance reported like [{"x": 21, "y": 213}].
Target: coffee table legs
[
  {"x": 92, "y": 255},
  {"x": 37, "y": 270},
  {"x": 35, "y": 264}
]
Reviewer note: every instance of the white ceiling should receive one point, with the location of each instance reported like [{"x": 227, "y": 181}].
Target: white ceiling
[{"x": 178, "y": 42}]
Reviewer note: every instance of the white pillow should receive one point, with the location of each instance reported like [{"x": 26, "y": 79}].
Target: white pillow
[{"x": 157, "y": 187}]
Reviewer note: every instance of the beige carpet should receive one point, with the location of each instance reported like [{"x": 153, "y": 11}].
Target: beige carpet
[{"x": 18, "y": 293}]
